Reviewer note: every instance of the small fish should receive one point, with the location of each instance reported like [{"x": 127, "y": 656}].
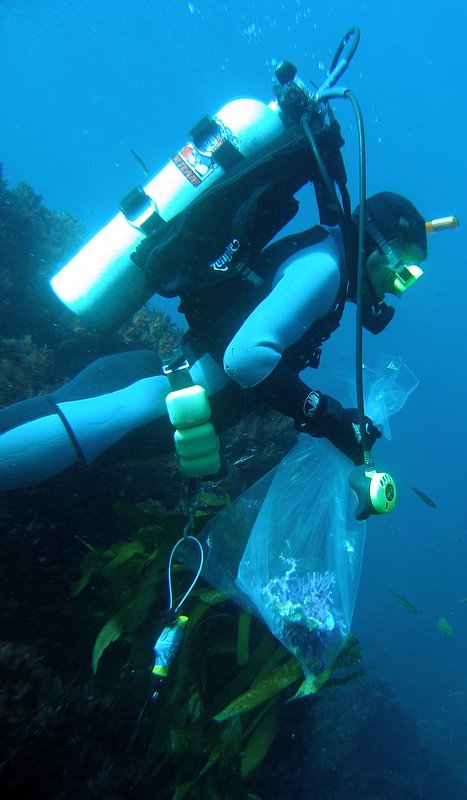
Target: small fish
[
  {"x": 405, "y": 603},
  {"x": 435, "y": 544},
  {"x": 424, "y": 497},
  {"x": 83, "y": 541},
  {"x": 463, "y": 601},
  {"x": 444, "y": 626},
  {"x": 140, "y": 162},
  {"x": 242, "y": 459}
]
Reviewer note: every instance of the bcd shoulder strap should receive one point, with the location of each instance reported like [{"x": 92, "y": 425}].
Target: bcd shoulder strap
[{"x": 226, "y": 227}]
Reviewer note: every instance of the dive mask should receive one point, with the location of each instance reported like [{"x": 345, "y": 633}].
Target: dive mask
[{"x": 403, "y": 273}]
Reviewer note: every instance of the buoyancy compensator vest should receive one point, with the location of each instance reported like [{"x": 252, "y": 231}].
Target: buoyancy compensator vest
[
  {"x": 215, "y": 314},
  {"x": 219, "y": 237}
]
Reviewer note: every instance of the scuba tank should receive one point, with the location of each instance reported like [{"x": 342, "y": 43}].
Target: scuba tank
[{"x": 101, "y": 283}]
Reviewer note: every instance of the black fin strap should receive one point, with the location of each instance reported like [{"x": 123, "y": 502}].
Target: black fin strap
[{"x": 68, "y": 428}]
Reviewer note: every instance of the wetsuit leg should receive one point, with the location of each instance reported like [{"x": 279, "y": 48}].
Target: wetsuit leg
[
  {"x": 106, "y": 402},
  {"x": 35, "y": 450}
]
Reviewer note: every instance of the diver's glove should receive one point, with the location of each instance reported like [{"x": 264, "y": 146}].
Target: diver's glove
[{"x": 324, "y": 417}]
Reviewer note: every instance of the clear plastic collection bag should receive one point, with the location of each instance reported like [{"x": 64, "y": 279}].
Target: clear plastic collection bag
[
  {"x": 290, "y": 547},
  {"x": 302, "y": 562}
]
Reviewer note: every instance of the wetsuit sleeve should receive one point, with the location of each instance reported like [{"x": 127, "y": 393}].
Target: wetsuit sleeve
[{"x": 305, "y": 291}]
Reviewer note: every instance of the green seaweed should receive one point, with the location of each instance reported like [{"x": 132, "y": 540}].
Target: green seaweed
[
  {"x": 111, "y": 631},
  {"x": 243, "y": 638},
  {"x": 218, "y": 710},
  {"x": 261, "y": 739},
  {"x": 280, "y": 678}
]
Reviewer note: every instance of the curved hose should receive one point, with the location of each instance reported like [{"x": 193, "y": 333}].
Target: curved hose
[
  {"x": 184, "y": 538},
  {"x": 359, "y": 289},
  {"x": 340, "y": 64},
  {"x": 352, "y": 34},
  {"x": 347, "y": 95},
  {"x": 322, "y": 168}
]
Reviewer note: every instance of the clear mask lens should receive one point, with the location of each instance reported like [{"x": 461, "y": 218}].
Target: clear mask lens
[{"x": 405, "y": 276}]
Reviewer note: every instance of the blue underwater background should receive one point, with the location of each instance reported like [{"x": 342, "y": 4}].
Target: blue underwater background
[{"x": 83, "y": 83}]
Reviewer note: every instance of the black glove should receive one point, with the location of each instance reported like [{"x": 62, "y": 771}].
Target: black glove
[{"x": 328, "y": 419}]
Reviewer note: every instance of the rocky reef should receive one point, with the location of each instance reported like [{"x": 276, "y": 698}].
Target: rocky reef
[{"x": 42, "y": 344}]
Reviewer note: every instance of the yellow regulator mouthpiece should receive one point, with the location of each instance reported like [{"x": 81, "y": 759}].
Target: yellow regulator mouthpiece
[{"x": 441, "y": 224}]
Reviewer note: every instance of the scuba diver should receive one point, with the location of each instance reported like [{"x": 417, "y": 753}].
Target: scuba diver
[
  {"x": 246, "y": 345},
  {"x": 257, "y": 313}
]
